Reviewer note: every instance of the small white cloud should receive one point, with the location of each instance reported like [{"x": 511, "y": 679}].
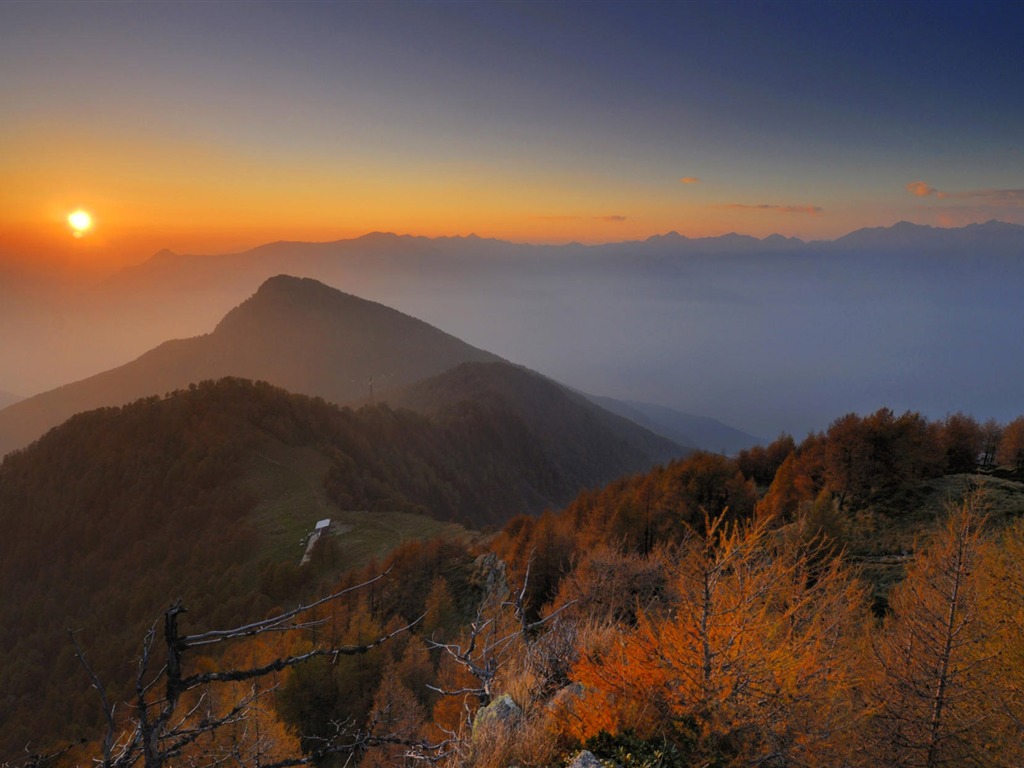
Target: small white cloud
[
  {"x": 923, "y": 189},
  {"x": 996, "y": 197}
]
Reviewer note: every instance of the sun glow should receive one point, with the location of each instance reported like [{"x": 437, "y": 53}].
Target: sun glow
[{"x": 80, "y": 222}]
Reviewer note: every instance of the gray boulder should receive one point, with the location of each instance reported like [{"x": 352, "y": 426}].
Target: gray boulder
[
  {"x": 501, "y": 711},
  {"x": 585, "y": 759}
]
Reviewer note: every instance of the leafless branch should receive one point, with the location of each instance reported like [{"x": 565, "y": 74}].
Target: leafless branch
[
  {"x": 258, "y": 627},
  {"x": 108, "y": 709},
  {"x": 165, "y": 722},
  {"x": 238, "y": 675}
]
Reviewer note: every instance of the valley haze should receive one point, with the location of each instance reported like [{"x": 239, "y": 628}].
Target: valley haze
[{"x": 766, "y": 335}]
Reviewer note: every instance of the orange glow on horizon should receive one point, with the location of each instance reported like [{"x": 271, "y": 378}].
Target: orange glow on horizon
[
  {"x": 130, "y": 234},
  {"x": 199, "y": 199},
  {"x": 205, "y": 197}
]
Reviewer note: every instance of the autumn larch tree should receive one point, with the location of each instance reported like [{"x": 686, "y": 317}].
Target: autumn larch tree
[
  {"x": 930, "y": 700},
  {"x": 746, "y": 665},
  {"x": 1011, "y": 445}
]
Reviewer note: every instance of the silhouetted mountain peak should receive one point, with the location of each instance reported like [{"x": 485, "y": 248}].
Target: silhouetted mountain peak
[
  {"x": 385, "y": 238},
  {"x": 297, "y": 302},
  {"x": 777, "y": 239},
  {"x": 734, "y": 237},
  {"x": 290, "y": 285},
  {"x": 996, "y": 226},
  {"x": 667, "y": 239},
  {"x": 296, "y": 289},
  {"x": 906, "y": 234}
]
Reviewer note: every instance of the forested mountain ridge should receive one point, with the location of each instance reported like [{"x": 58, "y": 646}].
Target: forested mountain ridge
[
  {"x": 720, "y": 612},
  {"x": 590, "y": 440},
  {"x": 293, "y": 332},
  {"x": 713, "y": 611},
  {"x": 177, "y": 496}
]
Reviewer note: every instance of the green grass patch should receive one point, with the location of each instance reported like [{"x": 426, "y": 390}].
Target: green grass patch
[{"x": 288, "y": 484}]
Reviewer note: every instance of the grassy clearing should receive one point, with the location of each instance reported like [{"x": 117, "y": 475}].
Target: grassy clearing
[
  {"x": 287, "y": 481},
  {"x": 894, "y": 525},
  {"x": 885, "y": 535}
]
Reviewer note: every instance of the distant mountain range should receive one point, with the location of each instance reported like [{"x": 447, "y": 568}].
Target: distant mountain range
[
  {"x": 992, "y": 236},
  {"x": 682, "y": 428},
  {"x": 6, "y": 398},
  {"x": 769, "y": 334}
]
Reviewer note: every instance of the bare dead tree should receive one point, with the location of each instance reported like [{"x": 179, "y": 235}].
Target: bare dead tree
[
  {"x": 169, "y": 714},
  {"x": 498, "y": 623},
  {"x": 499, "y": 632}
]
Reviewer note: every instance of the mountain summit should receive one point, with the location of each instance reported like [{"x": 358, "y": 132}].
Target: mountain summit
[
  {"x": 313, "y": 339},
  {"x": 296, "y": 333}
]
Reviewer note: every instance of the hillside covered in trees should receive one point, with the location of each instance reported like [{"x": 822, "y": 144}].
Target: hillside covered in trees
[
  {"x": 182, "y": 496},
  {"x": 713, "y": 611},
  {"x": 579, "y": 434}
]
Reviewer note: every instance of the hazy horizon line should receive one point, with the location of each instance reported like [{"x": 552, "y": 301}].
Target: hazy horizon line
[{"x": 566, "y": 243}]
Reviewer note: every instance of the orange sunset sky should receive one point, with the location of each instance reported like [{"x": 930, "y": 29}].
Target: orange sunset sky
[{"x": 210, "y": 127}]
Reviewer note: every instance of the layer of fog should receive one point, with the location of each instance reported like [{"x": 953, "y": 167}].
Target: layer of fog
[{"x": 764, "y": 335}]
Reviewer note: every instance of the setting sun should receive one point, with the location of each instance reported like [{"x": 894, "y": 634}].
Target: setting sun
[{"x": 80, "y": 222}]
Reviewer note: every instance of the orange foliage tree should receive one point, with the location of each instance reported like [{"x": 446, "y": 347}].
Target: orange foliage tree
[
  {"x": 781, "y": 502},
  {"x": 746, "y": 665},
  {"x": 932, "y": 705},
  {"x": 1010, "y": 452},
  {"x": 1001, "y": 602}
]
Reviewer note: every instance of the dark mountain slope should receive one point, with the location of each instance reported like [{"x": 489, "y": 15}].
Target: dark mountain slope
[
  {"x": 119, "y": 510},
  {"x": 588, "y": 445},
  {"x": 317, "y": 340},
  {"x": 296, "y": 333}
]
